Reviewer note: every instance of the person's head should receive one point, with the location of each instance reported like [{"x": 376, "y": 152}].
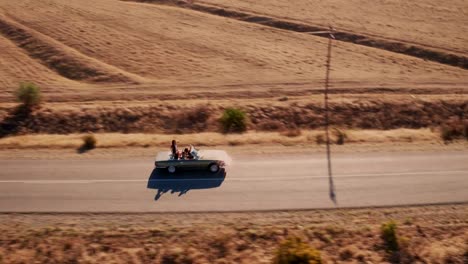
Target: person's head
[
  {"x": 173, "y": 142},
  {"x": 186, "y": 150}
]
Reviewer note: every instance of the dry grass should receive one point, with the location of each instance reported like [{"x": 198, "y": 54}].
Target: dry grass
[
  {"x": 396, "y": 135},
  {"x": 392, "y": 45},
  {"x": 451, "y": 250},
  {"x": 44, "y": 44},
  {"x": 176, "y": 117},
  {"x": 117, "y": 140},
  {"x": 438, "y": 235},
  {"x": 425, "y": 22}
]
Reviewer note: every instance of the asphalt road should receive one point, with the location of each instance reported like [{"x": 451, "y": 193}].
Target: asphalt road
[{"x": 251, "y": 183}]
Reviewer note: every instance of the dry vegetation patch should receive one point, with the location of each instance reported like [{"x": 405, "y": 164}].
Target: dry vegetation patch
[
  {"x": 265, "y": 116},
  {"x": 436, "y": 234},
  {"x": 288, "y": 138}
]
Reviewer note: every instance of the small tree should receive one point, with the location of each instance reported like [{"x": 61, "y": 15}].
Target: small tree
[
  {"x": 454, "y": 129},
  {"x": 389, "y": 236},
  {"x": 89, "y": 143},
  {"x": 233, "y": 121},
  {"x": 29, "y": 95},
  {"x": 340, "y": 136},
  {"x": 465, "y": 130},
  {"x": 320, "y": 139},
  {"x": 294, "y": 251}
]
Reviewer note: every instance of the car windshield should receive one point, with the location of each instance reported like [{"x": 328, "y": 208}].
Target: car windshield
[
  {"x": 165, "y": 155},
  {"x": 194, "y": 153}
]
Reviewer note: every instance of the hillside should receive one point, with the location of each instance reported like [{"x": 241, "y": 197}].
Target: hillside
[
  {"x": 424, "y": 22},
  {"x": 108, "y": 47}
]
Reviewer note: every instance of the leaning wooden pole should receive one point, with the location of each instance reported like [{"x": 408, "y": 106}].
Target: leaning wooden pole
[{"x": 327, "y": 119}]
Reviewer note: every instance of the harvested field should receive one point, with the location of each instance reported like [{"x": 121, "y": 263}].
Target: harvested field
[
  {"x": 65, "y": 61},
  {"x": 412, "y": 49},
  {"x": 137, "y": 75},
  {"x": 430, "y": 234},
  {"x": 110, "y": 50},
  {"x": 426, "y": 23}
]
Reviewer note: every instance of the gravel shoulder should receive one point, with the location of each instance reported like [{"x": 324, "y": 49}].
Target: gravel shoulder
[{"x": 242, "y": 150}]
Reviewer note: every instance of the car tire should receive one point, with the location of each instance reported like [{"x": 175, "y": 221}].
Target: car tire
[
  {"x": 213, "y": 167},
  {"x": 171, "y": 169}
]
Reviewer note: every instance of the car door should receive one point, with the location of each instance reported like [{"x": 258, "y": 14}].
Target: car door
[{"x": 191, "y": 164}]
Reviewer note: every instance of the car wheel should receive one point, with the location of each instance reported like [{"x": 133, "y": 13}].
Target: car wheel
[
  {"x": 171, "y": 169},
  {"x": 213, "y": 167}
]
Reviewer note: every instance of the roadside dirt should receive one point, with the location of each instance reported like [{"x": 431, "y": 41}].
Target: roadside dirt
[
  {"x": 129, "y": 147},
  {"x": 430, "y": 234}
]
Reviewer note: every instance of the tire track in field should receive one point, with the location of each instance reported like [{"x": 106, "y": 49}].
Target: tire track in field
[
  {"x": 64, "y": 60},
  {"x": 359, "y": 39}
]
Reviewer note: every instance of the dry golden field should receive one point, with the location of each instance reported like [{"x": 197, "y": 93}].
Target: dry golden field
[
  {"x": 138, "y": 73},
  {"x": 149, "y": 65},
  {"x": 427, "y": 23},
  {"x": 108, "y": 49}
]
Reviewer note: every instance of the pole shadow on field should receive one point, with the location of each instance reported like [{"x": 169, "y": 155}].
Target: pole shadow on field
[{"x": 183, "y": 181}]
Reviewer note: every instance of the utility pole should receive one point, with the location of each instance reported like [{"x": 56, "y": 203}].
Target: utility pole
[
  {"x": 331, "y": 37},
  {"x": 327, "y": 118}
]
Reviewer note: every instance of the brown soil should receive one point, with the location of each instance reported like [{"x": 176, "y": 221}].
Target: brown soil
[
  {"x": 428, "y": 234},
  {"x": 144, "y": 146}
]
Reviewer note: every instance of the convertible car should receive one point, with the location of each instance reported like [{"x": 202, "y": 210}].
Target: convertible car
[{"x": 212, "y": 160}]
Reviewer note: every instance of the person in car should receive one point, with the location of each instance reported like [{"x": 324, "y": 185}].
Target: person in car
[
  {"x": 174, "y": 150},
  {"x": 186, "y": 155}
]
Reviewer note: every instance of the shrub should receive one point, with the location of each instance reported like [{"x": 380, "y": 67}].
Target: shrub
[
  {"x": 292, "y": 132},
  {"x": 320, "y": 139},
  {"x": 89, "y": 142},
  {"x": 271, "y": 125},
  {"x": 454, "y": 129},
  {"x": 340, "y": 136},
  {"x": 447, "y": 134},
  {"x": 465, "y": 130},
  {"x": 233, "y": 121},
  {"x": 193, "y": 120},
  {"x": 220, "y": 244},
  {"x": 293, "y": 250},
  {"x": 176, "y": 255},
  {"x": 389, "y": 236},
  {"x": 347, "y": 253},
  {"x": 29, "y": 95}
]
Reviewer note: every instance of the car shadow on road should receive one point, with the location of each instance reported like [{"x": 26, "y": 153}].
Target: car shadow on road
[{"x": 183, "y": 181}]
